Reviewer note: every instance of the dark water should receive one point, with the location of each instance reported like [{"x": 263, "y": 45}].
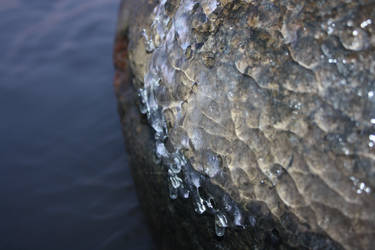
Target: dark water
[{"x": 64, "y": 180}]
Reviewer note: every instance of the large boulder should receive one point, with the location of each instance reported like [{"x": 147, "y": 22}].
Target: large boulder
[{"x": 250, "y": 124}]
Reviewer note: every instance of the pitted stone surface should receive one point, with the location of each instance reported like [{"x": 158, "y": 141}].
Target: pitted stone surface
[{"x": 273, "y": 101}]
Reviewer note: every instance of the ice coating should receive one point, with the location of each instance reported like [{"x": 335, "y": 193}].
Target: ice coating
[
  {"x": 292, "y": 128},
  {"x": 169, "y": 43}
]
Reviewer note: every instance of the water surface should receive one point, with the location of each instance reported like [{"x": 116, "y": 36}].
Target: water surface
[{"x": 64, "y": 180}]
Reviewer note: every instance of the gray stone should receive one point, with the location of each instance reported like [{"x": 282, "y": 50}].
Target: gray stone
[{"x": 258, "y": 121}]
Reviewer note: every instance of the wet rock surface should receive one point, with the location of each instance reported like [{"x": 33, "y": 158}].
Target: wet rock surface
[{"x": 251, "y": 120}]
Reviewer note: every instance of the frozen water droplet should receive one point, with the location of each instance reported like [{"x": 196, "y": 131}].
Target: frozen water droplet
[
  {"x": 221, "y": 220},
  {"x": 195, "y": 179},
  {"x": 209, "y": 204},
  {"x": 212, "y": 164},
  {"x": 200, "y": 207},
  {"x": 356, "y": 40},
  {"x": 172, "y": 192},
  {"x": 252, "y": 220},
  {"x": 230, "y": 95},
  {"x": 179, "y": 161},
  {"x": 364, "y": 24},
  {"x": 220, "y": 231},
  {"x": 354, "y": 180},
  {"x": 158, "y": 124},
  {"x": 209, "y": 6},
  {"x": 220, "y": 224},
  {"x": 227, "y": 207},
  {"x": 276, "y": 171},
  {"x": 227, "y": 203},
  {"x": 346, "y": 150},
  {"x": 175, "y": 181},
  {"x": 371, "y": 140},
  {"x": 359, "y": 187},
  {"x": 238, "y": 219},
  {"x": 332, "y": 60},
  {"x": 175, "y": 168},
  {"x": 143, "y": 109},
  {"x": 143, "y": 105},
  {"x": 149, "y": 44},
  {"x": 185, "y": 193},
  {"x": 156, "y": 159},
  {"x": 161, "y": 151}
]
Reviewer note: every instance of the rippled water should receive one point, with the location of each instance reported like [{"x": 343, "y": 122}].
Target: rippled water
[{"x": 64, "y": 183}]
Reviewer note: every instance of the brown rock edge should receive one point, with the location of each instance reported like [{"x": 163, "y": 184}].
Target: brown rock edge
[{"x": 174, "y": 223}]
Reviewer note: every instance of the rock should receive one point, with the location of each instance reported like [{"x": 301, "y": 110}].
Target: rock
[{"x": 251, "y": 124}]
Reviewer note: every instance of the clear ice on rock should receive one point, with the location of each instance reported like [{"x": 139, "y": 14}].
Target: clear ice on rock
[
  {"x": 220, "y": 224},
  {"x": 165, "y": 37}
]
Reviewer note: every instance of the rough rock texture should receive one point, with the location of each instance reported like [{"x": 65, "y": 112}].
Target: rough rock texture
[{"x": 259, "y": 116}]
